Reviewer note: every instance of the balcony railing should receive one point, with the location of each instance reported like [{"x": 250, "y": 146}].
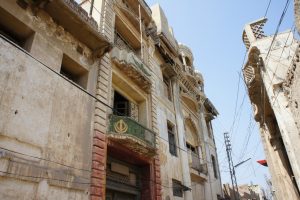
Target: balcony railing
[
  {"x": 129, "y": 127},
  {"x": 196, "y": 164}
]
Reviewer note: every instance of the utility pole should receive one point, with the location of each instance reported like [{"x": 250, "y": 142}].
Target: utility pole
[
  {"x": 231, "y": 166},
  {"x": 251, "y": 190}
]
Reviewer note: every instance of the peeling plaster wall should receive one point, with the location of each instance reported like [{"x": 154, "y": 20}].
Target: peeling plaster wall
[
  {"x": 45, "y": 125},
  {"x": 45, "y": 116}
]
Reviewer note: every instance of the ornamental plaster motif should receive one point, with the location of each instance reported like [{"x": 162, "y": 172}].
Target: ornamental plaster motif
[
  {"x": 45, "y": 23},
  {"x": 134, "y": 111},
  {"x": 252, "y": 76}
]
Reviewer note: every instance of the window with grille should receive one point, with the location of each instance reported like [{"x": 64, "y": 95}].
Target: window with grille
[
  {"x": 121, "y": 105},
  {"x": 172, "y": 141}
]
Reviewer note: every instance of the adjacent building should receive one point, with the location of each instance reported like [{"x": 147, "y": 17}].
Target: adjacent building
[
  {"x": 98, "y": 100},
  {"x": 246, "y": 192},
  {"x": 271, "y": 75}
]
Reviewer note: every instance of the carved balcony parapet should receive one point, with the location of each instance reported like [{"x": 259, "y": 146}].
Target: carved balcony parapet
[
  {"x": 132, "y": 135},
  {"x": 189, "y": 94},
  {"x": 133, "y": 67},
  {"x": 198, "y": 170},
  {"x": 253, "y": 79},
  {"x": 169, "y": 70}
]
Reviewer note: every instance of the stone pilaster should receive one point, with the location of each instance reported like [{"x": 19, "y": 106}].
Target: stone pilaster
[
  {"x": 157, "y": 186},
  {"x": 154, "y": 126},
  {"x": 99, "y": 153}
]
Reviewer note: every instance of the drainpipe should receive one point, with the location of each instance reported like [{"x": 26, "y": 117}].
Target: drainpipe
[{"x": 208, "y": 171}]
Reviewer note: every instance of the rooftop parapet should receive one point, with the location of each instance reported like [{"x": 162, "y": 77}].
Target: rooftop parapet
[
  {"x": 254, "y": 31},
  {"x": 163, "y": 29}
]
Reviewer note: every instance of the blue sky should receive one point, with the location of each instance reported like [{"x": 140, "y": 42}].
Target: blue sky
[{"x": 213, "y": 30}]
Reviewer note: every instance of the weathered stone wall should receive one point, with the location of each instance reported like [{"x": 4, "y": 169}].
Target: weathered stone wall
[
  {"x": 46, "y": 117},
  {"x": 292, "y": 85},
  {"x": 99, "y": 154},
  {"x": 273, "y": 71},
  {"x": 45, "y": 125}
]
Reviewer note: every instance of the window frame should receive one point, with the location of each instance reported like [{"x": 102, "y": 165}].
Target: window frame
[
  {"x": 214, "y": 164},
  {"x": 74, "y": 71},
  {"x": 172, "y": 139},
  {"x": 167, "y": 86}
]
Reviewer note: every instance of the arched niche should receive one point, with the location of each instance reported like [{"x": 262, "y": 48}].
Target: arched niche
[
  {"x": 189, "y": 102},
  {"x": 191, "y": 132}
]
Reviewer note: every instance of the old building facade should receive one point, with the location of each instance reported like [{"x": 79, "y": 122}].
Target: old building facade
[
  {"x": 271, "y": 76},
  {"x": 245, "y": 192},
  {"x": 99, "y": 101}
]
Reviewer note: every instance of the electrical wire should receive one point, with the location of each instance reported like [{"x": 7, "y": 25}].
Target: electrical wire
[
  {"x": 268, "y": 6},
  {"x": 278, "y": 26},
  {"x": 9, "y": 150}
]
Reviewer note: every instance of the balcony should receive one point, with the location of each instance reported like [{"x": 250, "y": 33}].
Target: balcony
[
  {"x": 131, "y": 10},
  {"x": 197, "y": 170},
  {"x": 74, "y": 19},
  {"x": 131, "y": 134},
  {"x": 129, "y": 63}
]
